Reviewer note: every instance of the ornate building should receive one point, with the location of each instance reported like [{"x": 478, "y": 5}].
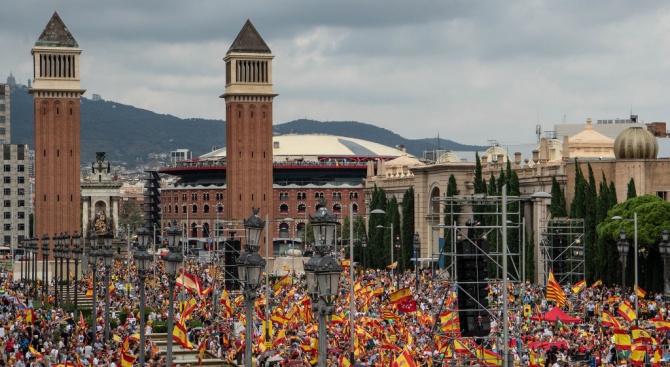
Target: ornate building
[
  {"x": 56, "y": 93},
  {"x": 100, "y": 198}
]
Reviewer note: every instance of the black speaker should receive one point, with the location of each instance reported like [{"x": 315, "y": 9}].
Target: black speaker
[
  {"x": 558, "y": 252},
  {"x": 472, "y": 279},
  {"x": 230, "y": 255}
]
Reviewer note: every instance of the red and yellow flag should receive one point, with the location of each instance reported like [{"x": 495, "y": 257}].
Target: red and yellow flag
[
  {"x": 579, "y": 286},
  {"x": 554, "y": 291},
  {"x": 400, "y": 295},
  {"x": 640, "y": 292},
  {"x": 404, "y": 359},
  {"x": 127, "y": 359},
  {"x": 597, "y": 283},
  {"x": 189, "y": 282},
  {"x": 607, "y": 319},
  {"x": 626, "y": 311},
  {"x": 179, "y": 335}
]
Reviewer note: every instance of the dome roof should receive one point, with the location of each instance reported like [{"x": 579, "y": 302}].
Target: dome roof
[
  {"x": 635, "y": 143},
  {"x": 494, "y": 152},
  {"x": 590, "y": 143},
  {"x": 310, "y": 146},
  {"x": 448, "y": 157}
]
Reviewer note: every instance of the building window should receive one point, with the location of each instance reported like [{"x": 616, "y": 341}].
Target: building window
[
  {"x": 283, "y": 209},
  {"x": 21, "y": 179},
  {"x": 7, "y": 191},
  {"x": 337, "y": 209},
  {"x": 219, "y": 208},
  {"x": 22, "y": 227},
  {"x": 355, "y": 208},
  {"x": 176, "y": 209},
  {"x": 22, "y": 203},
  {"x": 318, "y": 195},
  {"x": 194, "y": 196},
  {"x": 6, "y": 168},
  {"x": 283, "y": 196},
  {"x": 8, "y": 227},
  {"x": 21, "y": 192},
  {"x": 8, "y": 204},
  {"x": 219, "y": 196},
  {"x": 337, "y": 196},
  {"x": 353, "y": 196},
  {"x": 21, "y": 168},
  {"x": 183, "y": 197},
  {"x": 22, "y": 215},
  {"x": 8, "y": 179},
  {"x": 205, "y": 208},
  {"x": 302, "y": 208},
  {"x": 195, "y": 208},
  {"x": 8, "y": 215},
  {"x": 205, "y": 196}
]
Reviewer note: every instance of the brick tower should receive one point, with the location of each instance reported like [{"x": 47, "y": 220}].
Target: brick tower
[
  {"x": 248, "y": 97},
  {"x": 56, "y": 93}
]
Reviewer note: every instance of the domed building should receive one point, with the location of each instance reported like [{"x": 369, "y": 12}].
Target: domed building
[{"x": 635, "y": 143}]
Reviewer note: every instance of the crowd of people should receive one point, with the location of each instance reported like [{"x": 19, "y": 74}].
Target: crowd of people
[{"x": 35, "y": 332}]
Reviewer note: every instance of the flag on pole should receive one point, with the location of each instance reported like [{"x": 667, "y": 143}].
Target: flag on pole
[
  {"x": 404, "y": 359},
  {"x": 189, "y": 282},
  {"x": 641, "y": 293},
  {"x": 626, "y": 311},
  {"x": 554, "y": 291},
  {"x": 400, "y": 295},
  {"x": 579, "y": 286}
]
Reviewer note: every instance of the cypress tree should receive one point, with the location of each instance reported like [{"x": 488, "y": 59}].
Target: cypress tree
[
  {"x": 479, "y": 183},
  {"x": 631, "y": 189},
  {"x": 557, "y": 207},
  {"x": 393, "y": 219},
  {"x": 408, "y": 228}
]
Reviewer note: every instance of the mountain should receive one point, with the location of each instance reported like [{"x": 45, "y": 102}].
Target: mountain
[{"x": 129, "y": 134}]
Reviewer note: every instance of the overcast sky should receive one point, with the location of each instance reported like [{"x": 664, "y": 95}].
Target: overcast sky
[{"x": 469, "y": 71}]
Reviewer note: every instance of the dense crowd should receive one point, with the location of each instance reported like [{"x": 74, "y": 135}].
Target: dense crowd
[{"x": 34, "y": 332}]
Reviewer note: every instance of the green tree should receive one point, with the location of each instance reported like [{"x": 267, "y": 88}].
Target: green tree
[
  {"x": 132, "y": 215},
  {"x": 479, "y": 183},
  {"x": 394, "y": 243},
  {"x": 557, "y": 207},
  {"x": 377, "y": 251},
  {"x": 653, "y": 216},
  {"x": 631, "y": 189}
]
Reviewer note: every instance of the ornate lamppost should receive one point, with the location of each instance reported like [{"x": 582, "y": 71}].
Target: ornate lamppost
[
  {"x": 21, "y": 246},
  {"x": 56, "y": 244},
  {"x": 623, "y": 246},
  {"x": 94, "y": 255},
  {"x": 142, "y": 262},
  {"x": 664, "y": 249},
  {"x": 250, "y": 270},
  {"x": 45, "y": 268},
  {"x": 61, "y": 256},
  {"x": 34, "y": 249},
  {"x": 322, "y": 273},
  {"x": 107, "y": 258},
  {"x": 76, "y": 255},
  {"x": 172, "y": 261},
  {"x": 66, "y": 255}
]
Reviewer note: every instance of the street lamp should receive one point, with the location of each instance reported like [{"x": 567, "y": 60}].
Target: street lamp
[
  {"x": 56, "y": 250},
  {"x": 623, "y": 246},
  {"x": 94, "y": 255},
  {"x": 634, "y": 255},
  {"x": 61, "y": 256},
  {"x": 45, "y": 268},
  {"x": 142, "y": 262},
  {"x": 664, "y": 249},
  {"x": 33, "y": 246},
  {"x": 417, "y": 249},
  {"x": 172, "y": 261},
  {"x": 76, "y": 255},
  {"x": 66, "y": 255},
  {"x": 107, "y": 258},
  {"x": 322, "y": 273},
  {"x": 20, "y": 246},
  {"x": 250, "y": 270}
]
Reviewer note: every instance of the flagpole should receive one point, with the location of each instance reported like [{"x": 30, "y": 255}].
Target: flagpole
[
  {"x": 504, "y": 270},
  {"x": 351, "y": 281}
]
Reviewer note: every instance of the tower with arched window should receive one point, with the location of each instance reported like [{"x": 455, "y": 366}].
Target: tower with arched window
[
  {"x": 249, "y": 98},
  {"x": 56, "y": 91}
]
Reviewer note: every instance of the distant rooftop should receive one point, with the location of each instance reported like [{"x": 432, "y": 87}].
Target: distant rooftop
[{"x": 249, "y": 41}]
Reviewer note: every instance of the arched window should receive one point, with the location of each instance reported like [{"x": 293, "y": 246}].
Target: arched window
[
  {"x": 219, "y": 208},
  {"x": 434, "y": 201},
  {"x": 205, "y": 230},
  {"x": 301, "y": 230},
  {"x": 176, "y": 209},
  {"x": 205, "y": 208},
  {"x": 283, "y": 209},
  {"x": 283, "y": 230},
  {"x": 337, "y": 209},
  {"x": 183, "y": 208},
  {"x": 194, "y": 230},
  {"x": 302, "y": 208},
  {"x": 195, "y": 208},
  {"x": 355, "y": 207}
]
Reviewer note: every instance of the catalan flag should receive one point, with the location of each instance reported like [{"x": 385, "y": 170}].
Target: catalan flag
[
  {"x": 626, "y": 311},
  {"x": 554, "y": 291},
  {"x": 579, "y": 286}
]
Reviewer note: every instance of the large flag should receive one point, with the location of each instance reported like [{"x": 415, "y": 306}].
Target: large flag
[
  {"x": 407, "y": 306},
  {"x": 400, "y": 295},
  {"x": 344, "y": 362},
  {"x": 579, "y": 286},
  {"x": 660, "y": 324},
  {"x": 280, "y": 319},
  {"x": 227, "y": 311},
  {"x": 489, "y": 357},
  {"x": 607, "y": 319},
  {"x": 30, "y": 316},
  {"x": 637, "y": 354},
  {"x": 554, "y": 291},
  {"x": 127, "y": 359},
  {"x": 179, "y": 335},
  {"x": 640, "y": 335},
  {"x": 626, "y": 311},
  {"x": 189, "y": 282},
  {"x": 189, "y": 307},
  {"x": 622, "y": 340},
  {"x": 281, "y": 283},
  {"x": 404, "y": 359}
]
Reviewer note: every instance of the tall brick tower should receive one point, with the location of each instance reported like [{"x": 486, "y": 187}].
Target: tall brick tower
[
  {"x": 56, "y": 93},
  {"x": 248, "y": 97}
]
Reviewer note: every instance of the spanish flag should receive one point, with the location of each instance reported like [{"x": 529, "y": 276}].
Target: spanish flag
[
  {"x": 35, "y": 353},
  {"x": 489, "y": 357},
  {"x": 622, "y": 340},
  {"x": 281, "y": 283},
  {"x": 578, "y": 286},
  {"x": 554, "y": 291},
  {"x": 608, "y": 320},
  {"x": 637, "y": 354},
  {"x": 400, "y": 295},
  {"x": 346, "y": 263},
  {"x": 404, "y": 359},
  {"x": 392, "y": 266},
  {"x": 179, "y": 335},
  {"x": 189, "y": 282},
  {"x": 30, "y": 316},
  {"x": 127, "y": 359},
  {"x": 640, "y": 335},
  {"x": 660, "y": 324},
  {"x": 89, "y": 292},
  {"x": 344, "y": 362},
  {"x": 626, "y": 312},
  {"x": 597, "y": 283},
  {"x": 189, "y": 307},
  {"x": 641, "y": 293}
]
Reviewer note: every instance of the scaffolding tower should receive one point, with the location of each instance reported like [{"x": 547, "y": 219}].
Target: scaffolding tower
[
  {"x": 562, "y": 249},
  {"x": 478, "y": 221}
]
